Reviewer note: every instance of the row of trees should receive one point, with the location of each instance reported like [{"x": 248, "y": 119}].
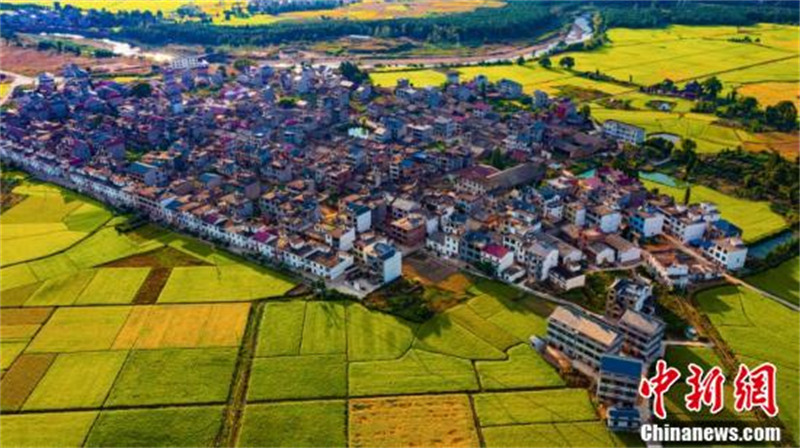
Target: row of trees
[{"x": 651, "y": 14}]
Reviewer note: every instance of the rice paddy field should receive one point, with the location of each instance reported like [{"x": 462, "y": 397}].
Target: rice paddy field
[
  {"x": 758, "y": 329},
  {"x": 756, "y": 219},
  {"x": 783, "y": 280},
  {"x": 767, "y": 70}
]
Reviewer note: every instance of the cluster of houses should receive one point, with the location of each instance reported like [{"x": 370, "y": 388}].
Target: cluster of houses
[{"x": 327, "y": 177}]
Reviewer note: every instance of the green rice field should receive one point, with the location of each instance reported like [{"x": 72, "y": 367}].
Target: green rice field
[
  {"x": 783, "y": 281},
  {"x": 758, "y": 329}
]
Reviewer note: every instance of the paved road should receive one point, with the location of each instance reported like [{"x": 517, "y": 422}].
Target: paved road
[{"x": 18, "y": 80}]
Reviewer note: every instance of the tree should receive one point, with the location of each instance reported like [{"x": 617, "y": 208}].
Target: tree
[
  {"x": 586, "y": 111},
  {"x": 688, "y": 145},
  {"x": 567, "y": 62},
  {"x": 142, "y": 90},
  {"x": 783, "y": 116},
  {"x": 351, "y": 72},
  {"x": 712, "y": 87},
  {"x": 687, "y": 195},
  {"x": 521, "y": 60},
  {"x": 545, "y": 62},
  {"x": 243, "y": 65}
]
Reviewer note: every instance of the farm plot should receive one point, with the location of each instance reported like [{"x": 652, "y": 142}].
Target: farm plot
[
  {"x": 80, "y": 329},
  {"x": 15, "y": 276},
  {"x": 62, "y": 290},
  {"x": 524, "y": 368},
  {"x": 296, "y": 424},
  {"x": 417, "y": 372},
  {"x": 183, "y": 326},
  {"x": 373, "y": 335},
  {"x": 649, "y": 56},
  {"x": 441, "y": 334},
  {"x": 583, "y": 434},
  {"x": 546, "y": 406},
  {"x": 17, "y": 327},
  {"x": 113, "y": 286},
  {"x": 174, "y": 376},
  {"x": 680, "y": 357},
  {"x": 422, "y": 420},
  {"x": 61, "y": 429},
  {"x": 281, "y": 329},
  {"x": 783, "y": 281},
  {"x": 755, "y": 218},
  {"x": 160, "y": 427},
  {"x": 293, "y": 377},
  {"x": 324, "y": 329},
  {"x": 223, "y": 283},
  {"x": 758, "y": 330},
  {"x": 76, "y": 381},
  {"x": 19, "y": 381}
]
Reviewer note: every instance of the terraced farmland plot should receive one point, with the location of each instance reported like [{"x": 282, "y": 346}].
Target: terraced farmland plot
[
  {"x": 113, "y": 286},
  {"x": 80, "y": 329},
  {"x": 161, "y": 427},
  {"x": 36, "y": 246},
  {"x": 77, "y": 381},
  {"x": 174, "y": 376},
  {"x": 545, "y": 406},
  {"x": 293, "y": 377},
  {"x": 17, "y": 327},
  {"x": 421, "y": 420},
  {"x": 16, "y": 276},
  {"x": 295, "y": 424},
  {"x": 223, "y": 283},
  {"x": 524, "y": 368},
  {"x": 105, "y": 246},
  {"x": 417, "y": 372},
  {"x": 61, "y": 429},
  {"x": 758, "y": 330},
  {"x": 21, "y": 378}
]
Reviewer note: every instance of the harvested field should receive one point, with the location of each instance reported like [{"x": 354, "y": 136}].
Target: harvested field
[
  {"x": 427, "y": 269},
  {"x": 151, "y": 288},
  {"x": 423, "y": 420},
  {"x": 295, "y": 424},
  {"x": 21, "y": 379},
  {"x": 183, "y": 326},
  {"x": 164, "y": 257},
  {"x": 31, "y": 62}
]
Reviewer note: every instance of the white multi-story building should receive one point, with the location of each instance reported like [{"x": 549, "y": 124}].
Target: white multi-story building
[
  {"x": 582, "y": 337},
  {"x": 625, "y": 132},
  {"x": 729, "y": 253},
  {"x": 643, "y": 335}
]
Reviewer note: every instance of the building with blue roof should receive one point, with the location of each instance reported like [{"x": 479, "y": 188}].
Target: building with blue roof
[
  {"x": 623, "y": 419},
  {"x": 618, "y": 383}
]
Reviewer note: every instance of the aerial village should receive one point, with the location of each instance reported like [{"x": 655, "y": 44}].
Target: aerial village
[{"x": 337, "y": 181}]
